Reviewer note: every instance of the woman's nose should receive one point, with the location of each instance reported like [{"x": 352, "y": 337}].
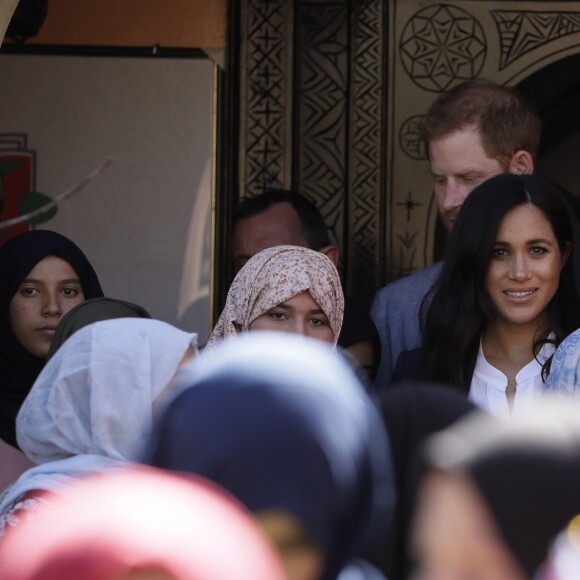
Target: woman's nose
[
  {"x": 520, "y": 269},
  {"x": 52, "y": 305}
]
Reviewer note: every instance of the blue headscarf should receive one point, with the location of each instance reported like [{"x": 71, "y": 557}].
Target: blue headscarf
[
  {"x": 18, "y": 367},
  {"x": 282, "y": 423}
]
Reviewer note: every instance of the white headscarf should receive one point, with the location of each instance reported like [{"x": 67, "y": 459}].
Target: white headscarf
[{"x": 92, "y": 406}]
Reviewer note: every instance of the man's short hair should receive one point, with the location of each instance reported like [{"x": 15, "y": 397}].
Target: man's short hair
[
  {"x": 507, "y": 121},
  {"x": 312, "y": 224}
]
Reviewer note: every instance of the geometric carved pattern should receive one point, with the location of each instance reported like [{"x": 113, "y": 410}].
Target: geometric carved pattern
[
  {"x": 337, "y": 138},
  {"x": 521, "y": 32},
  {"x": 334, "y": 99},
  {"x": 324, "y": 134},
  {"x": 365, "y": 184},
  {"x": 265, "y": 94},
  {"x": 404, "y": 260},
  {"x": 410, "y": 140},
  {"x": 409, "y": 204},
  {"x": 440, "y": 45},
  {"x": 320, "y": 134}
]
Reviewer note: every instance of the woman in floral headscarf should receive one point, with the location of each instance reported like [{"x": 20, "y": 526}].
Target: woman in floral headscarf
[{"x": 284, "y": 288}]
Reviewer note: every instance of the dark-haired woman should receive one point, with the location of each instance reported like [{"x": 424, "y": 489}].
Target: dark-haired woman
[
  {"x": 508, "y": 294},
  {"x": 42, "y": 276}
]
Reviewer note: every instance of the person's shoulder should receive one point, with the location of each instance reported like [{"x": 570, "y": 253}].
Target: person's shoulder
[{"x": 419, "y": 281}]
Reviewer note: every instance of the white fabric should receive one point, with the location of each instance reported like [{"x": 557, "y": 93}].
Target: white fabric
[
  {"x": 564, "y": 377},
  {"x": 488, "y": 385},
  {"x": 92, "y": 406}
]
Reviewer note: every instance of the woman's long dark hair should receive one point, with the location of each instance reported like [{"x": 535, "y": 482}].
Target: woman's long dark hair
[{"x": 456, "y": 309}]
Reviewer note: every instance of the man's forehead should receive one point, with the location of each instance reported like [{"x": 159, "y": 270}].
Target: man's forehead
[
  {"x": 276, "y": 226},
  {"x": 459, "y": 153},
  {"x": 278, "y": 221}
]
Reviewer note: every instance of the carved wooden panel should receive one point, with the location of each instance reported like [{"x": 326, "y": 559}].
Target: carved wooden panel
[
  {"x": 315, "y": 126},
  {"x": 321, "y": 92},
  {"x": 265, "y": 117},
  {"x": 437, "y": 45},
  {"x": 365, "y": 188},
  {"x": 334, "y": 93}
]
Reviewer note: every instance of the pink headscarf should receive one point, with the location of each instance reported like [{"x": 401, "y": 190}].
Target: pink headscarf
[
  {"x": 273, "y": 276},
  {"x": 112, "y": 525}
]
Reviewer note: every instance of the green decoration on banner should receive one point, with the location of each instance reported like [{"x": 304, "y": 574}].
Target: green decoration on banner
[
  {"x": 7, "y": 167},
  {"x": 32, "y": 201}
]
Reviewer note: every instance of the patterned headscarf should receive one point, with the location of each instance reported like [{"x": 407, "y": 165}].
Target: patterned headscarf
[
  {"x": 273, "y": 276},
  {"x": 564, "y": 377}
]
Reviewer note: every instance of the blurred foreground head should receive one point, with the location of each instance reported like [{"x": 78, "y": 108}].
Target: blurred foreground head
[
  {"x": 496, "y": 494},
  {"x": 282, "y": 423},
  {"x": 140, "y": 524}
]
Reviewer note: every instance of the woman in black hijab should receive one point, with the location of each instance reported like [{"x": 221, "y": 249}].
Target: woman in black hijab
[{"x": 43, "y": 275}]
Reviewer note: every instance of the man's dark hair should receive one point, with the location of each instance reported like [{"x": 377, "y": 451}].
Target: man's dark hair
[{"x": 312, "y": 224}]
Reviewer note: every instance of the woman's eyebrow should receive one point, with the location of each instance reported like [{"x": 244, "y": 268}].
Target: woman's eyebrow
[
  {"x": 530, "y": 242},
  {"x": 540, "y": 241},
  {"x": 65, "y": 281}
]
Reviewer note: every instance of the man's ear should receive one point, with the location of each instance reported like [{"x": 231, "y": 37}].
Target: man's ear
[
  {"x": 332, "y": 253},
  {"x": 522, "y": 163}
]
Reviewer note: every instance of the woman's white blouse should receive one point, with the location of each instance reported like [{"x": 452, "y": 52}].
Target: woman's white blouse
[{"x": 488, "y": 385}]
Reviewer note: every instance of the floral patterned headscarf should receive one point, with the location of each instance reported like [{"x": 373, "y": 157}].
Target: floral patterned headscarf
[{"x": 273, "y": 276}]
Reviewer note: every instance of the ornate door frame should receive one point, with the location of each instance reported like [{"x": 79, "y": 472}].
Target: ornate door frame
[{"x": 331, "y": 93}]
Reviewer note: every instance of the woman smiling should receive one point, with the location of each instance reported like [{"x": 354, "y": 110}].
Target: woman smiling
[{"x": 508, "y": 293}]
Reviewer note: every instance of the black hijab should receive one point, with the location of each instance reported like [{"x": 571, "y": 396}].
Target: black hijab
[{"x": 18, "y": 367}]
